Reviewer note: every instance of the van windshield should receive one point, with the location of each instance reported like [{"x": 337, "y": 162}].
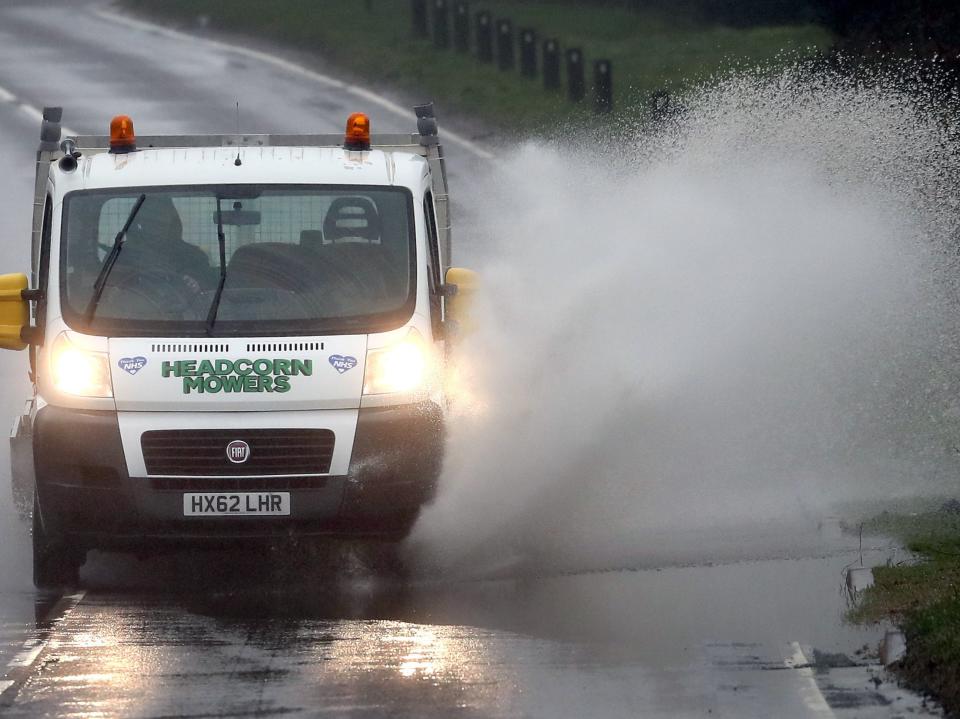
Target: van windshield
[{"x": 314, "y": 259}]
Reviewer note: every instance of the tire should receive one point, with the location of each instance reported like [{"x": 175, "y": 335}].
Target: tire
[{"x": 55, "y": 564}]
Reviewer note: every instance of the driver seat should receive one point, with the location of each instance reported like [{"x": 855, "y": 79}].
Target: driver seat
[{"x": 155, "y": 239}]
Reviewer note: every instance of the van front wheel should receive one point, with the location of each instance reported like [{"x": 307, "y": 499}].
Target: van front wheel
[{"x": 54, "y": 563}]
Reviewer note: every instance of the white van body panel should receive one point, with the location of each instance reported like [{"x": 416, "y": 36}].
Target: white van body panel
[
  {"x": 149, "y": 167},
  {"x": 228, "y": 373}
]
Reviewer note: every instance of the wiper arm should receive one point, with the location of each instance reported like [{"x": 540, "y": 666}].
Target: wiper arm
[
  {"x": 111, "y": 259},
  {"x": 222, "y": 241}
]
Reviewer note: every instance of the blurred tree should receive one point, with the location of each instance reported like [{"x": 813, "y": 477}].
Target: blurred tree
[
  {"x": 742, "y": 13},
  {"x": 922, "y": 27}
]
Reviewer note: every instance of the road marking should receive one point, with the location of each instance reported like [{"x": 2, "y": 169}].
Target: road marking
[
  {"x": 810, "y": 691},
  {"x": 28, "y": 655},
  {"x": 30, "y": 111},
  {"x": 21, "y": 667},
  {"x": 288, "y": 66}
]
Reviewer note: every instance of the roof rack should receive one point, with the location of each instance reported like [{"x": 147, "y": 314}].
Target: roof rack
[{"x": 95, "y": 143}]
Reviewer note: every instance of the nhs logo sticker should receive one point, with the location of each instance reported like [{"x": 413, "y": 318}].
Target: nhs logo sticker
[
  {"x": 132, "y": 365},
  {"x": 342, "y": 363}
]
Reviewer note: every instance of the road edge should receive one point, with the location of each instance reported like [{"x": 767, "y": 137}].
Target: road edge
[{"x": 22, "y": 667}]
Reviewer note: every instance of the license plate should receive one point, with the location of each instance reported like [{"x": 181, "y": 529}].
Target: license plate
[{"x": 228, "y": 504}]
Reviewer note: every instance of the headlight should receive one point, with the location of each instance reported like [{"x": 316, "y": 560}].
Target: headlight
[
  {"x": 79, "y": 372},
  {"x": 406, "y": 366}
]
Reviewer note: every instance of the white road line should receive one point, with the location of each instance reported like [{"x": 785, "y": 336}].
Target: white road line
[
  {"x": 21, "y": 667},
  {"x": 28, "y": 655},
  {"x": 30, "y": 111},
  {"x": 809, "y": 691},
  {"x": 291, "y": 67}
]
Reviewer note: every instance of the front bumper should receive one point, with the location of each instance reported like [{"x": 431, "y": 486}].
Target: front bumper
[{"x": 86, "y": 494}]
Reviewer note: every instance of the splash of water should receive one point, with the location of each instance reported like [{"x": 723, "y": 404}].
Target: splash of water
[{"x": 745, "y": 315}]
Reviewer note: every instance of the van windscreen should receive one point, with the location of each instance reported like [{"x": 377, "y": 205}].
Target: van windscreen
[{"x": 314, "y": 259}]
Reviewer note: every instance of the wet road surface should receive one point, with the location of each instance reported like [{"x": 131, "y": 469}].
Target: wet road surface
[
  {"x": 733, "y": 639},
  {"x": 738, "y": 625}
]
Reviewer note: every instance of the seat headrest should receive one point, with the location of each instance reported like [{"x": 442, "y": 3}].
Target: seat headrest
[{"x": 352, "y": 219}]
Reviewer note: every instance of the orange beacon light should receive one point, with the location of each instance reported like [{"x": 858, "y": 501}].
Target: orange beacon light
[
  {"x": 358, "y": 132},
  {"x": 122, "y": 137}
]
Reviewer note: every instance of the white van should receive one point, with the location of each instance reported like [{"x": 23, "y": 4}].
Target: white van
[{"x": 230, "y": 337}]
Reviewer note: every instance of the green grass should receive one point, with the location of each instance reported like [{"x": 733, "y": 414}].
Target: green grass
[
  {"x": 648, "y": 51},
  {"x": 932, "y": 532},
  {"x": 924, "y": 598},
  {"x": 933, "y": 655}
]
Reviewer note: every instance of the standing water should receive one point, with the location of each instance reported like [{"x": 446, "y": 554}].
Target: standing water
[{"x": 745, "y": 315}]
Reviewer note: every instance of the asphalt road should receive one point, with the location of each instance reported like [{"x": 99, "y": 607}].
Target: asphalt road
[{"x": 748, "y": 624}]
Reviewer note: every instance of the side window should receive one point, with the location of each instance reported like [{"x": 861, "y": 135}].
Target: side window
[
  {"x": 432, "y": 239},
  {"x": 433, "y": 266},
  {"x": 42, "y": 279},
  {"x": 43, "y": 263},
  {"x": 43, "y": 268}
]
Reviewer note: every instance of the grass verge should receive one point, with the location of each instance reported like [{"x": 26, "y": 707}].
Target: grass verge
[
  {"x": 924, "y": 598},
  {"x": 649, "y": 51}
]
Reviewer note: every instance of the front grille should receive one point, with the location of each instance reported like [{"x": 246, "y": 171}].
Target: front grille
[
  {"x": 203, "y": 452},
  {"x": 235, "y": 484}
]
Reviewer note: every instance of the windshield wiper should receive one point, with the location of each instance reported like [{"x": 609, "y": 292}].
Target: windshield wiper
[
  {"x": 111, "y": 259},
  {"x": 222, "y": 241}
]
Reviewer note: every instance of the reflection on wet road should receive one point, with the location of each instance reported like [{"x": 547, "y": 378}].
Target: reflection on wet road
[{"x": 166, "y": 637}]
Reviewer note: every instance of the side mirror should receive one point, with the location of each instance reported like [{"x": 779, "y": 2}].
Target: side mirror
[
  {"x": 460, "y": 285},
  {"x": 14, "y": 311}
]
